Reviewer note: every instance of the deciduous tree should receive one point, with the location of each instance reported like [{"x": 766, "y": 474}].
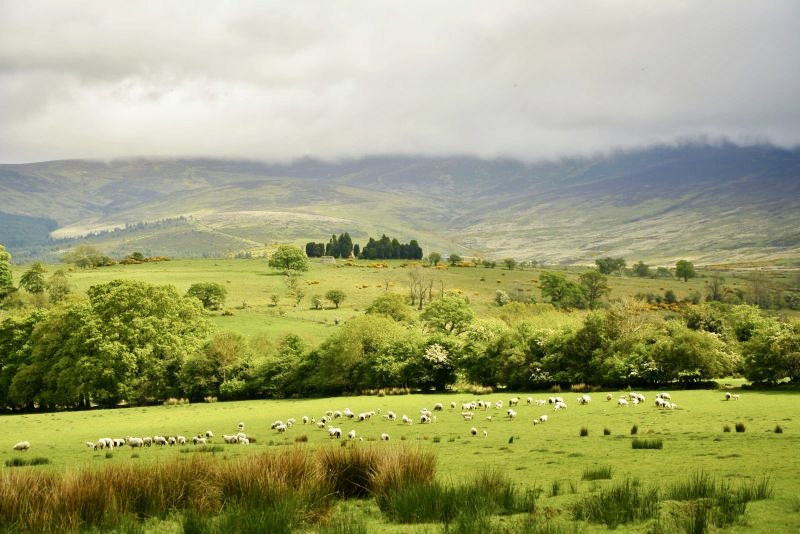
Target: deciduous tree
[
  {"x": 685, "y": 269},
  {"x": 288, "y": 258}
]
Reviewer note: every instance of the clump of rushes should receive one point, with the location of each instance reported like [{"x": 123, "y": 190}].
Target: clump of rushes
[
  {"x": 740, "y": 427},
  {"x": 584, "y": 431},
  {"x": 634, "y": 430}
]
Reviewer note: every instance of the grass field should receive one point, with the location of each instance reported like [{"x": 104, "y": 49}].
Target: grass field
[
  {"x": 551, "y": 457},
  {"x": 251, "y": 285}
]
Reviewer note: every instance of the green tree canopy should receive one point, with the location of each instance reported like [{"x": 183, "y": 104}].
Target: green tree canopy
[
  {"x": 336, "y": 296},
  {"x": 288, "y": 258},
  {"x": 434, "y": 258},
  {"x": 595, "y": 287},
  {"x": 510, "y": 263},
  {"x": 6, "y": 279},
  {"x": 211, "y": 294},
  {"x": 610, "y": 265},
  {"x": 392, "y": 305},
  {"x": 33, "y": 280},
  {"x": 86, "y": 257},
  {"x": 562, "y": 293},
  {"x": 685, "y": 269},
  {"x": 58, "y": 286},
  {"x": 449, "y": 314}
]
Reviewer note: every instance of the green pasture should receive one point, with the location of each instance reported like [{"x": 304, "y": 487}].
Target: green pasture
[
  {"x": 551, "y": 456},
  {"x": 250, "y": 285}
]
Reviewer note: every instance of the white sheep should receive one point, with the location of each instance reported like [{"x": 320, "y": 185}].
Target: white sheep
[
  {"x": 406, "y": 419},
  {"x": 351, "y": 434},
  {"x": 181, "y": 440},
  {"x": 584, "y": 399},
  {"x": 241, "y": 427},
  {"x": 200, "y": 440},
  {"x": 498, "y": 404},
  {"x": 485, "y": 433},
  {"x": 513, "y": 401},
  {"x": 384, "y": 436},
  {"x": 622, "y": 402},
  {"x": 209, "y": 434},
  {"x": 529, "y": 400},
  {"x": 560, "y": 405},
  {"x": 334, "y": 432},
  {"x": 390, "y": 415},
  {"x": 438, "y": 407},
  {"x": 276, "y": 424},
  {"x": 281, "y": 428},
  {"x": 230, "y": 438},
  {"x": 135, "y": 443},
  {"x": 159, "y": 440},
  {"x": 511, "y": 413},
  {"x": 467, "y": 416},
  {"x": 347, "y": 412},
  {"x": 321, "y": 425},
  {"x": 424, "y": 419},
  {"x": 305, "y": 419},
  {"x": 543, "y": 418},
  {"x": 90, "y": 444},
  {"x": 244, "y": 441},
  {"x": 453, "y": 405},
  {"x": 22, "y": 446},
  {"x": 609, "y": 397}
]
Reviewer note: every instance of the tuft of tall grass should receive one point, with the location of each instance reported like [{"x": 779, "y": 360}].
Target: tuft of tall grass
[
  {"x": 634, "y": 430},
  {"x": 740, "y": 427},
  {"x": 606, "y": 431},
  {"x": 468, "y": 505},
  {"x": 598, "y": 473},
  {"x": 626, "y": 502},
  {"x": 584, "y": 432},
  {"x": 778, "y": 429},
  {"x": 699, "y": 485},
  {"x": 647, "y": 443},
  {"x": 726, "y": 428},
  {"x": 24, "y": 462}
]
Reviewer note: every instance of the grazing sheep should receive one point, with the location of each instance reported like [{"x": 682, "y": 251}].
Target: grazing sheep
[
  {"x": 390, "y": 415},
  {"x": 334, "y": 432},
  {"x": 529, "y": 400},
  {"x": 498, "y": 404},
  {"x": 200, "y": 440},
  {"x": 337, "y": 414},
  {"x": 148, "y": 441},
  {"x": 351, "y": 434},
  {"x": 241, "y": 427},
  {"x": 321, "y": 425},
  {"x": 489, "y": 418},
  {"x": 135, "y": 443},
  {"x": 473, "y": 431},
  {"x": 485, "y": 433},
  {"x": 348, "y": 413},
  {"x": 230, "y": 439},
  {"x": 453, "y": 405},
  {"x": 467, "y": 406},
  {"x": 467, "y": 416},
  {"x": 609, "y": 397},
  {"x": 513, "y": 401},
  {"x": 209, "y": 434},
  {"x": 438, "y": 407},
  {"x": 540, "y": 402},
  {"x": 281, "y": 428},
  {"x": 384, "y": 436},
  {"x": 560, "y": 405},
  {"x": 90, "y": 444},
  {"x": 290, "y": 421},
  {"x": 244, "y": 441},
  {"x": 181, "y": 440},
  {"x": 584, "y": 399},
  {"x": 511, "y": 413},
  {"x": 622, "y": 402},
  {"x": 542, "y": 418},
  {"x": 363, "y": 416},
  {"x": 406, "y": 419},
  {"x": 277, "y": 423},
  {"x": 22, "y": 446},
  {"x": 424, "y": 419},
  {"x": 159, "y": 440},
  {"x": 664, "y": 396},
  {"x": 305, "y": 419}
]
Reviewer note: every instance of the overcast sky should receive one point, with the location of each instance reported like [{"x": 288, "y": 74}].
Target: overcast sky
[{"x": 338, "y": 79}]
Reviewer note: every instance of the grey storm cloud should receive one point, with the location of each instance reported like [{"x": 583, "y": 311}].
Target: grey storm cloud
[{"x": 281, "y": 80}]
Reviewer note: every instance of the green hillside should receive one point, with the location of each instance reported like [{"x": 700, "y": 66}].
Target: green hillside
[{"x": 711, "y": 204}]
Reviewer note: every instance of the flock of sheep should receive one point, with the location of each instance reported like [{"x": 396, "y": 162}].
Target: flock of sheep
[{"x": 332, "y": 421}]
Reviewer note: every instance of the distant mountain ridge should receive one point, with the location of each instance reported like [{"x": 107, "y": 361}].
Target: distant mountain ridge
[{"x": 701, "y": 202}]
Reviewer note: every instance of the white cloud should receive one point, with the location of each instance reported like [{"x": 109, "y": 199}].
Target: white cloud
[{"x": 279, "y": 80}]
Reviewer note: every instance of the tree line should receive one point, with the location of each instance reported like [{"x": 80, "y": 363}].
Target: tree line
[
  {"x": 381, "y": 249},
  {"x": 138, "y": 343}
]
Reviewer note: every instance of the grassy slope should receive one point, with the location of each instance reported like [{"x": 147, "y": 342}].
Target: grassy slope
[{"x": 250, "y": 285}]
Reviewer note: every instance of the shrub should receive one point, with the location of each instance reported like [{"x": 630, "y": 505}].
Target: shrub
[
  {"x": 624, "y": 503},
  {"x": 647, "y": 443},
  {"x": 598, "y": 473}
]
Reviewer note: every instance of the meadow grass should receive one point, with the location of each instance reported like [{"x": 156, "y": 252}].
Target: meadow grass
[{"x": 538, "y": 455}]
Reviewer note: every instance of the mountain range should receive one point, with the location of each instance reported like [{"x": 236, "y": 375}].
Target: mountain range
[{"x": 707, "y": 203}]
